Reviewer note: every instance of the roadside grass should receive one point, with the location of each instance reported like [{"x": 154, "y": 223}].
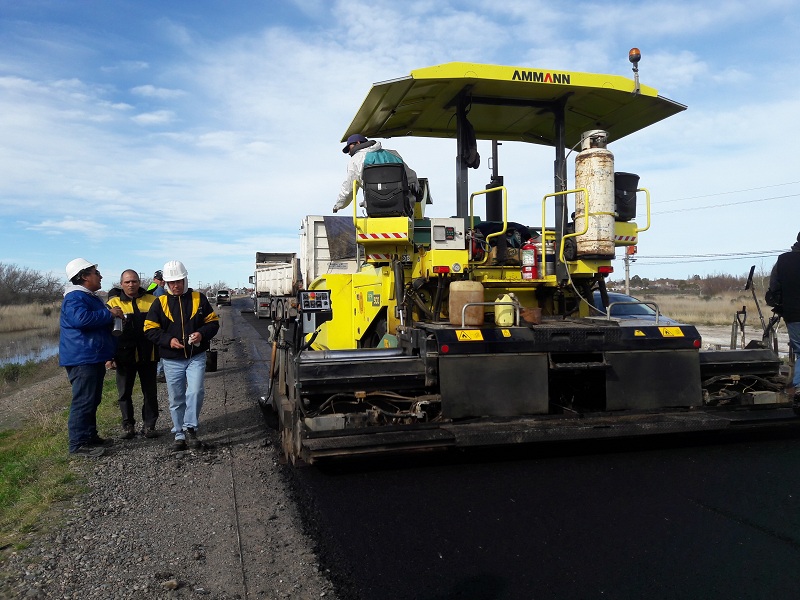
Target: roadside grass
[
  {"x": 37, "y": 473},
  {"x": 718, "y": 310},
  {"x": 16, "y": 373}
]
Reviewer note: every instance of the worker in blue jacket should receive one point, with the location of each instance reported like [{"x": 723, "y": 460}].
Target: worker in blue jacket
[{"x": 85, "y": 345}]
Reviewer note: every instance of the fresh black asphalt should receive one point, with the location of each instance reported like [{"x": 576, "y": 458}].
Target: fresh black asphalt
[{"x": 699, "y": 518}]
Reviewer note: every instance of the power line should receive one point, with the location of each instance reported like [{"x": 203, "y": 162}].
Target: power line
[
  {"x": 684, "y": 259},
  {"x": 763, "y": 187},
  {"x": 681, "y": 210},
  {"x": 723, "y": 254}
]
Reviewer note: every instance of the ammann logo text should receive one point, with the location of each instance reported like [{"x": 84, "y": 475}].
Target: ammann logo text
[{"x": 540, "y": 77}]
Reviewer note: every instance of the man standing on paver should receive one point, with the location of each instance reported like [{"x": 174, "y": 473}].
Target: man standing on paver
[{"x": 784, "y": 296}]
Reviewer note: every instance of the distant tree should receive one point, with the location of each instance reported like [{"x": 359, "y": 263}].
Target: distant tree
[
  {"x": 219, "y": 285},
  {"x": 20, "y": 285},
  {"x": 636, "y": 280},
  {"x": 714, "y": 285}
]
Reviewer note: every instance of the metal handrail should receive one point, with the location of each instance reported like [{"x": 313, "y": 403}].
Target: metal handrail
[
  {"x": 505, "y": 216},
  {"x": 566, "y": 235},
  {"x": 647, "y": 204},
  {"x": 467, "y": 304},
  {"x": 652, "y": 305}
]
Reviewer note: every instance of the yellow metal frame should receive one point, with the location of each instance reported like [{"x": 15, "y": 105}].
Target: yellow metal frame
[
  {"x": 568, "y": 235},
  {"x": 505, "y": 216}
]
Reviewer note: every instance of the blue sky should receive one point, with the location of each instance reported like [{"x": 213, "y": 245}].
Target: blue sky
[{"x": 135, "y": 132}]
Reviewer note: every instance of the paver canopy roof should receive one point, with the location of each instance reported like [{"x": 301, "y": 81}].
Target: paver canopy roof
[{"x": 507, "y": 103}]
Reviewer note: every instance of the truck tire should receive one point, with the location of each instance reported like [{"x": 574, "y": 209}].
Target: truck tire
[{"x": 279, "y": 310}]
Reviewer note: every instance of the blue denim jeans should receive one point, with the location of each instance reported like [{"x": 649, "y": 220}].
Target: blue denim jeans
[
  {"x": 185, "y": 378},
  {"x": 87, "y": 391},
  {"x": 794, "y": 341}
]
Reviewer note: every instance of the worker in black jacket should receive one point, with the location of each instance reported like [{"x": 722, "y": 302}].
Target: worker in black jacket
[
  {"x": 135, "y": 355},
  {"x": 784, "y": 296},
  {"x": 181, "y": 323}
]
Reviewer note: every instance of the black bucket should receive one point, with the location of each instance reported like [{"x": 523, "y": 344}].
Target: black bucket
[
  {"x": 625, "y": 185},
  {"x": 211, "y": 361}
]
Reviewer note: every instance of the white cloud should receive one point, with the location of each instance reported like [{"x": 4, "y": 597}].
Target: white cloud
[
  {"x": 151, "y": 91},
  {"x": 250, "y": 142},
  {"x": 70, "y": 225},
  {"x": 158, "y": 117}
]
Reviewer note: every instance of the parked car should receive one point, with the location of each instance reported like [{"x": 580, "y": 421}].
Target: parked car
[
  {"x": 629, "y": 308},
  {"x": 223, "y": 298}
]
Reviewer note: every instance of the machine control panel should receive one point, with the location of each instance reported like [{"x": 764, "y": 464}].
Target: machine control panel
[
  {"x": 315, "y": 301},
  {"x": 447, "y": 234}
]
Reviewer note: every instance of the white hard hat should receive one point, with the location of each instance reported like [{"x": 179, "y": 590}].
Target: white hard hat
[
  {"x": 174, "y": 271},
  {"x": 77, "y": 265}
]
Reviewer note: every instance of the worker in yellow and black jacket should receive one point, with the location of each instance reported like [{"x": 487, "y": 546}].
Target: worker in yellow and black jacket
[
  {"x": 135, "y": 355},
  {"x": 182, "y": 323}
]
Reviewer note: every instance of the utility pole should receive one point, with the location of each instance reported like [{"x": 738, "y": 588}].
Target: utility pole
[{"x": 629, "y": 252}]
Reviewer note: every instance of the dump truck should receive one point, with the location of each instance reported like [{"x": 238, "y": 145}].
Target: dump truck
[
  {"x": 327, "y": 245},
  {"x": 478, "y": 329}
]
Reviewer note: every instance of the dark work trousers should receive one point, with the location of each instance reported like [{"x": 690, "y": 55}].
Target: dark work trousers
[
  {"x": 87, "y": 390},
  {"x": 126, "y": 377}
]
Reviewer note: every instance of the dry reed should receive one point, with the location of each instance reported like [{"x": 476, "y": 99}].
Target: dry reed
[
  {"x": 38, "y": 319},
  {"x": 719, "y": 310}
]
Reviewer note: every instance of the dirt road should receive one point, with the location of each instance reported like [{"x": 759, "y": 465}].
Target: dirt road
[{"x": 219, "y": 523}]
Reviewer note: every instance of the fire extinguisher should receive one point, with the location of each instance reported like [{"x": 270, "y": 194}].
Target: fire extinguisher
[{"x": 529, "y": 262}]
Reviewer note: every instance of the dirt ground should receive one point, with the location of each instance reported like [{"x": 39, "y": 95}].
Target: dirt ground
[{"x": 218, "y": 523}]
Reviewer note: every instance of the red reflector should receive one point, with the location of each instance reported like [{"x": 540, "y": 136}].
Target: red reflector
[
  {"x": 605, "y": 270},
  {"x": 445, "y": 349},
  {"x": 697, "y": 343},
  {"x": 441, "y": 269}
]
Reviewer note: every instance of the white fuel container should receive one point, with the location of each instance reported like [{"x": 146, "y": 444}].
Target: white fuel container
[{"x": 594, "y": 170}]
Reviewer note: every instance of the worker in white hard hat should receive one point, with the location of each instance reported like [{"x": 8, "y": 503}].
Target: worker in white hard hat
[
  {"x": 182, "y": 324},
  {"x": 85, "y": 344}
]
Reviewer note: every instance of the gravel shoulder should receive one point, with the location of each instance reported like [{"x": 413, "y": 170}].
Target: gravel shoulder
[{"x": 218, "y": 523}]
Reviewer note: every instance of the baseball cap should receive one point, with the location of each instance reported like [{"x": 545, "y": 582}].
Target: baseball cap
[{"x": 356, "y": 138}]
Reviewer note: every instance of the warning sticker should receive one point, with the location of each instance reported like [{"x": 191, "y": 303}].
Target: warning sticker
[
  {"x": 671, "y": 331},
  {"x": 505, "y": 332},
  {"x": 469, "y": 335},
  {"x": 639, "y": 333}
]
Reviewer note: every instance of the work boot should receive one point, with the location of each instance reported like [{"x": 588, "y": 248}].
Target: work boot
[
  {"x": 128, "y": 432},
  {"x": 194, "y": 443},
  {"x": 179, "y": 445},
  {"x": 88, "y": 451},
  {"x": 150, "y": 432},
  {"x": 98, "y": 442}
]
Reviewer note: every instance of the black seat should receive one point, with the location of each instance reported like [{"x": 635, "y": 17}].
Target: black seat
[{"x": 386, "y": 192}]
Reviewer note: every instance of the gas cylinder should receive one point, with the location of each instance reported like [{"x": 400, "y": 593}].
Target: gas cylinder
[
  {"x": 594, "y": 170},
  {"x": 529, "y": 261}
]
